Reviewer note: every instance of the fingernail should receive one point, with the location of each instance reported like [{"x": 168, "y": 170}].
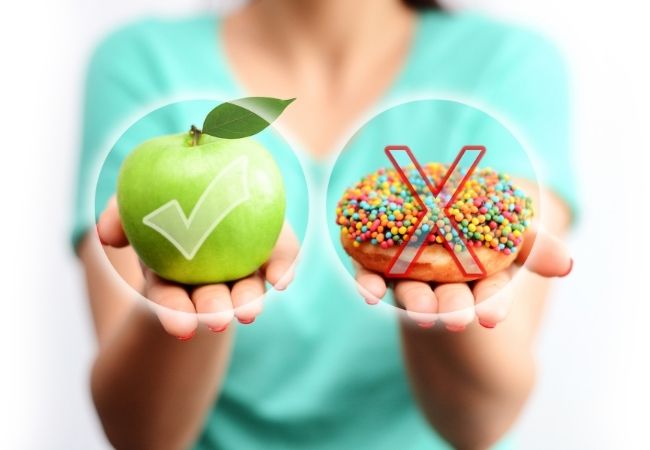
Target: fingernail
[
  {"x": 101, "y": 241},
  {"x": 281, "y": 285},
  {"x": 487, "y": 324},
  {"x": 218, "y": 330},
  {"x": 455, "y": 328},
  {"x": 186, "y": 338},
  {"x": 425, "y": 324},
  {"x": 246, "y": 321},
  {"x": 371, "y": 301},
  {"x": 568, "y": 271}
]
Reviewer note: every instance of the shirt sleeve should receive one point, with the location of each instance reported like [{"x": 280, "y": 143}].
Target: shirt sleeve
[
  {"x": 117, "y": 86},
  {"x": 529, "y": 87}
]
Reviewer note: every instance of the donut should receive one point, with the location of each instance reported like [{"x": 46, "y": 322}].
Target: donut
[{"x": 380, "y": 212}]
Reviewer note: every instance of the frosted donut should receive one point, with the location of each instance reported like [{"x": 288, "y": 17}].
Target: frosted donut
[{"x": 379, "y": 213}]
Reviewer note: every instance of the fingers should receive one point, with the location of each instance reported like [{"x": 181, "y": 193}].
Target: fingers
[
  {"x": 279, "y": 269},
  {"x": 419, "y": 301},
  {"x": 371, "y": 286},
  {"x": 545, "y": 255},
  {"x": 213, "y": 306},
  {"x": 109, "y": 226},
  {"x": 247, "y": 295},
  {"x": 172, "y": 305},
  {"x": 493, "y": 299},
  {"x": 455, "y": 305}
]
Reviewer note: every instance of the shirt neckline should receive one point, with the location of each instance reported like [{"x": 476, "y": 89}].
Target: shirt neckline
[{"x": 235, "y": 88}]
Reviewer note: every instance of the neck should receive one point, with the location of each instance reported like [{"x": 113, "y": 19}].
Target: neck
[{"x": 328, "y": 29}]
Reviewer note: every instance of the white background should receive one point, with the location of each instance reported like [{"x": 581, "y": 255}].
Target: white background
[{"x": 592, "y": 391}]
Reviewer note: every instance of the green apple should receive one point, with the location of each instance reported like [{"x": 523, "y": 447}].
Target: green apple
[{"x": 200, "y": 209}]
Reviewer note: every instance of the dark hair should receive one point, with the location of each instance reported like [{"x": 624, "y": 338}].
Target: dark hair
[{"x": 423, "y": 4}]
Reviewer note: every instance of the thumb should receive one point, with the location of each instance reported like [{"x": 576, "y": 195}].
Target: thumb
[
  {"x": 545, "y": 254},
  {"x": 109, "y": 226}
]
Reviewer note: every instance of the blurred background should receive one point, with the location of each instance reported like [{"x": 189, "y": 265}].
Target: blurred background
[{"x": 592, "y": 391}]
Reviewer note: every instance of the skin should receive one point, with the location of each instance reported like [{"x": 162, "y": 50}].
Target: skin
[
  {"x": 471, "y": 369},
  {"x": 137, "y": 359},
  {"x": 471, "y": 380}
]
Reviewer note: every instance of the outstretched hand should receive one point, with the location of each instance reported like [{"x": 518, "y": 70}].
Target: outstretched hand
[
  {"x": 456, "y": 304},
  {"x": 180, "y": 310}
]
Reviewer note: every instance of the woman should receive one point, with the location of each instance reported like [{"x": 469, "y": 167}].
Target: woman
[{"x": 318, "y": 369}]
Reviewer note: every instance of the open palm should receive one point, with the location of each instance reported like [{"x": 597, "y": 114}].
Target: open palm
[
  {"x": 180, "y": 309},
  {"x": 456, "y": 304}
]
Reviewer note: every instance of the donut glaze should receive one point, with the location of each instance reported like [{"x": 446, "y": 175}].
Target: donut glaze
[{"x": 379, "y": 213}]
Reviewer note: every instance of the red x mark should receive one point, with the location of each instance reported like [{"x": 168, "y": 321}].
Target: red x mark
[{"x": 453, "y": 181}]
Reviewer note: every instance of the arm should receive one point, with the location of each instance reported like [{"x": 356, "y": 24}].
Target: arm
[
  {"x": 151, "y": 390},
  {"x": 472, "y": 385},
  {"x": 472, "y": 382}
]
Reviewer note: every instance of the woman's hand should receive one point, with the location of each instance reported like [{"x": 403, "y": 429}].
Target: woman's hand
[
  {"x": 180, "y": 311},
  {"x": 456, "y": 304}
]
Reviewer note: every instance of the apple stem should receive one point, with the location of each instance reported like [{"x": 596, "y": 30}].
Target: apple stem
[{"x": 196, "y": 135}]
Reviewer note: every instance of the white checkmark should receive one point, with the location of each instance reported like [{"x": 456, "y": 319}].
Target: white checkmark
[{"x": 188, "y": 234}]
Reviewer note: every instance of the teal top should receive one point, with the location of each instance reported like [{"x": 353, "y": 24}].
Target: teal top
[{"x": 320, "y": 369}]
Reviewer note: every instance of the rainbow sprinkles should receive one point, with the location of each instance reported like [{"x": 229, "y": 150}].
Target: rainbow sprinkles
[{"x": 489, "y": 211}]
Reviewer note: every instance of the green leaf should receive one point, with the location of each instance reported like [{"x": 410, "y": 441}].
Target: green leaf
[{"x": 244, "y": 117}]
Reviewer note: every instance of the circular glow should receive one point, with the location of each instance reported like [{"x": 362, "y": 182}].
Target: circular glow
[
  {"x": 177, "y": 118},
  {"x": 435, "y": 130}
]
